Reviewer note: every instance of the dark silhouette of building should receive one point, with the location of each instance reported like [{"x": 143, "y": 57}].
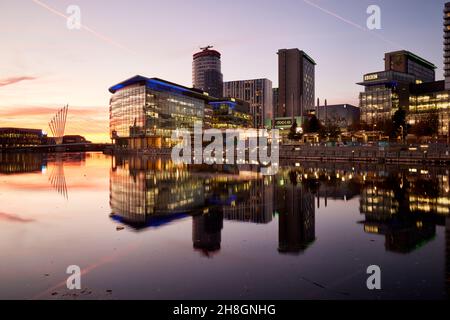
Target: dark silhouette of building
[
  {"x": 68, "y": 139},
  {"x": 206, "y": 231},
  {"x": 296, "y": 79},
  {"x": 296, "y": 217}
]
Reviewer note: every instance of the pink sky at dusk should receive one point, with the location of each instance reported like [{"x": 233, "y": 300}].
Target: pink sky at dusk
[{"x": 44, "y": 65}]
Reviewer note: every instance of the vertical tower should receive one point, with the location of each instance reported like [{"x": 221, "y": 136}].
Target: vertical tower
[
  {"x": 206, "y": 72},
  {"x": 296, "y": 83},
  {"x": 447, "y": 45}
]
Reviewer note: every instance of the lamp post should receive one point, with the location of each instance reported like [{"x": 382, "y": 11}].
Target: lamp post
[{"x": 401, "y": 132}]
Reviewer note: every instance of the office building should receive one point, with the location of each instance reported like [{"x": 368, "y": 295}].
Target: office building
[
  {"x": 145, "y": 111},
  {"x": 21, "y": 137},
  {"x": 257, "y": 92},
  {"x": 296, "y": 78},
  {"x": 407, "y": 62},
  {"x": 428, "y": 101},
  {"x": 206, "y": 72},
  {"x": 387, "y": 91},
  {"x": 341, "y": 115},
  {"x": 229, "y": 114}
]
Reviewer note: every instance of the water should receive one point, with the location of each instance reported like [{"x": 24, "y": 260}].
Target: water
[{"x": 309, "y": 232}]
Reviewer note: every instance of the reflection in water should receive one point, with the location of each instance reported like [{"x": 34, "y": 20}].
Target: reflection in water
[
  {"x": 14, "y": 163},
  {"x": 447, "y": 256},
  {"x": 259, "y": 220},
  {"x": 207, "y": 231},
  {"x": 295, "y": 206},
  {"x": 404, "y": 205},
  {"x": 18, "y": 163},
  {"x": 57, "y": 177}
]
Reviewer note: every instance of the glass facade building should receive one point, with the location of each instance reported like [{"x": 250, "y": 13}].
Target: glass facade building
[
  {"x": 230, "y": 114},
  {"x": 430, "y": 98},
  {"x": 145, "y": 111},
  {"x": 258, "y": 93},
  {"x": 385, "y": 92}
]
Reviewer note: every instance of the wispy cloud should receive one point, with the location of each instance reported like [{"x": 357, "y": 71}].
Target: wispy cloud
[
  {"x": 13, "y": 80},
  {"x": 353, "y": 24},
  {"x": 95, "y": 33},
  {"x": 31, "y": 111},
  {"x": 13, "y": 218}
]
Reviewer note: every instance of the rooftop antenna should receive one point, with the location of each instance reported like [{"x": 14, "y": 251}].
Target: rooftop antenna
[{"x": 206, "y": 48}]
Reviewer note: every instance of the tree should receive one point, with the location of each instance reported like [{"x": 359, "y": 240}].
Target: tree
[
  {"x": 293, "y": 134},
  {"x": 428, "y": 126},
  {"x": 312, "y": 125},
  {"x": 398, "y": 121},
  {"x": 331, "y": 131}
]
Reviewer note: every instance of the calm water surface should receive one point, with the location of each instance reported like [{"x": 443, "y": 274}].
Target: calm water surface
[{"x": 147, "y": 229}]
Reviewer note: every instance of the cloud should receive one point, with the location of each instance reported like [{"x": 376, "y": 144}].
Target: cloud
[
  {"x": 30, "y": 111},
  {"x": 13, "y": 218},
  {"x": 13, "y": 80}
]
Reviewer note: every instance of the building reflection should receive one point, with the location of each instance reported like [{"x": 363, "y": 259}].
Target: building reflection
[
  {"x": 296, "y": 213},
  {"x": 447, "y": 256},
  {"x": 207, "y": 231},
  {"x": 405, "y": 207},
  {"x": 403, "y": 204},
  {"x": 14, "y": 163},
  {"x": 150, "y": 193}
]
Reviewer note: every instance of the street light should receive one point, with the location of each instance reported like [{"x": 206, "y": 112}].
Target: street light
[{"x": 401, "y": 132}]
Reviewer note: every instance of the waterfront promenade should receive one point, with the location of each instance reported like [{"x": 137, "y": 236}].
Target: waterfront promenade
[{"x": 393, "y": 154}]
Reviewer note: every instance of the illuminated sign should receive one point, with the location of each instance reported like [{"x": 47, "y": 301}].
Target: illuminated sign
[
  {"x": 369, "y": 77},
  {"x": 283, "y": 123}
]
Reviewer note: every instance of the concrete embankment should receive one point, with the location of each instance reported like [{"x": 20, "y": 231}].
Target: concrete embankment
[{"x": 432, "y": 155}]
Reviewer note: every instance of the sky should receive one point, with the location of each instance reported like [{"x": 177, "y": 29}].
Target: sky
[{"x": 45, "y": 65}]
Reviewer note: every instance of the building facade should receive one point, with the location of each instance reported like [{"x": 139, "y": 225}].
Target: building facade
[
  {"x": 342, "y": 115},
  {"x": 145, "y": 111},
  {"x": 428, "y": 100},
  {"x": 296, "y": 78},
  {"x": 384, "y": 93},
  {"x": 206, "y": 72},
  {"x": 447, "y": 45},
  {"x": 407, "y": 62},
  {"x": 230, "y": 114},
  {"x": 257, "y": 92},
  {"x": 21, "y": 137}
]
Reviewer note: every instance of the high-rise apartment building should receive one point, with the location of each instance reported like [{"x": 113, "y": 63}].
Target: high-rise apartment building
[
  {"x": 296, "y": 80},
  {"x": 257, "y": 92},
  {"x": 206, "y": 72}
]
